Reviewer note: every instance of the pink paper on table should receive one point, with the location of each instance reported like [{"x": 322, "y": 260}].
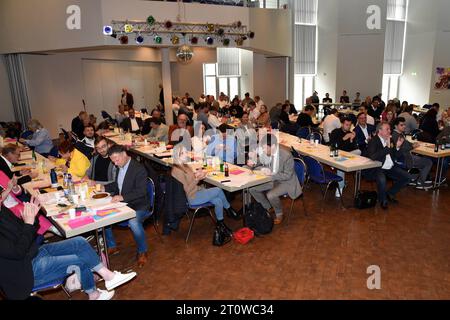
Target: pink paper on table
[
  {"x": 79, "y": 222},
  {"x": 236, "y": 172}
]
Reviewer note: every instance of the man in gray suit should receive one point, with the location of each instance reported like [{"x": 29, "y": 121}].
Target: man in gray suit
[{"x": 279, "y": 164}]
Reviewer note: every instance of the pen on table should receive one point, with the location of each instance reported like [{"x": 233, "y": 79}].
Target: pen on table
[{"x": 223, "y": 181}]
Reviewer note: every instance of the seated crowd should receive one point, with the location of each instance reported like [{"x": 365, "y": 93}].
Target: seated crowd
[{"x": 236, "y": 131}]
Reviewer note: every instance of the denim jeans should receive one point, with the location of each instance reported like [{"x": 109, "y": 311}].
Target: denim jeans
[
  {"x": 56, "y": 260},
  {"x": 137, "y": 228},
  {"x": 213, "y": 195}
]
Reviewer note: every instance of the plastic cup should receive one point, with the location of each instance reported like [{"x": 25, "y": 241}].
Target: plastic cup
[
  {"x": 72, "y": 214},
  {"x": 75, "y": 198}
]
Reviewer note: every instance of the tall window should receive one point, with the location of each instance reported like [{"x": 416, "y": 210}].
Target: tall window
[
  {"x": 271, "y": 4},
  {"x": 223, "y": 76},
  {"x": 397, "y": 14},
  {"x": 305, "y": 49}
]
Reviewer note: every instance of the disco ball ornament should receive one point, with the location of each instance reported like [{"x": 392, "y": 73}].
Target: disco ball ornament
[
  {"x": 226, "y": 42},
  {"x": 168, "y": 24},
  {"x": 251, "y": 34},
  {"x": 184, "y": 54},
  {"x": 139, "y": 39},
  {"x": 239, "y": 41},
  {"x": 210, "y": 27},
  {"x": 209, "y": 40},
  {"x": 107, "y": 30}
]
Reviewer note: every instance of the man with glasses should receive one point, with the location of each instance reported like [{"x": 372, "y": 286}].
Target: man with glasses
[
  {"x": 176, "y": 135},
  {"x": 423, "y": 164},
  {"x": 101, "y": 170}
]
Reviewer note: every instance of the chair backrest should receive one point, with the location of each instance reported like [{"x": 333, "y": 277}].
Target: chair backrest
[
  {"x": 315, "y": 136},
  {"x": 314, "y": 169},
  {"x": 303, "y": 132},
  {"x": 300, "y": 170},
  {"x": 151, "y": 193}
]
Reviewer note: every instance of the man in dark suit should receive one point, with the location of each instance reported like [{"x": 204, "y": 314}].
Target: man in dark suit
[
  {"x": 78, "y": 124},
  {"x": 10, "y": 155},
  {"x": 127, "y": 98},
  {"x": 130, "y": 186},
  {"x": 364, "y": 131},
  {"x": 132, "y": 124},
  {"x": 305, "y": 118},
  {"x": 380, "y": 148},
  {"x": 375, "y": 110}
]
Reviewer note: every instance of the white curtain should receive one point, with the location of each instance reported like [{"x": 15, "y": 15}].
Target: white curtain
[
  {"x": 18, "y": 86},
  {"x": 396, "y": 10},
  {"x": 305, "y": 11},
  {"x": 228, "y": 62},
  {"x": 393, "y": 49},
  {"x": 305, "y": 49}
]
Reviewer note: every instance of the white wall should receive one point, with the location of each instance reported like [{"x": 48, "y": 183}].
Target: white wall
[
  {"x": 6, "y": 107},
  {"x": 360, "y": 50},
  {"x": 247, "y": 75},
  {"x": 327, "y": 20},
  {"x": 442, "y": 52},
  {"x": 57, "y": 83},
  {"x": 269, "y": 78},
  {"x": 416, "y": 81}
]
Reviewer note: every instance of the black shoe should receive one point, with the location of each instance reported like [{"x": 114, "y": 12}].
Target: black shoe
[
  {"x": 384, "y": 205},
  {"x": 391, "y": 199},
  {"x": 225, "y": 228},
  {"x": 231, "y": 213}
]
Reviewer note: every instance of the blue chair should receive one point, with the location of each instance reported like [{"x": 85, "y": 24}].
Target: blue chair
[
  {"x": 318, "y": 175},
  {"x": 303, "y": 132},
  {"x": 151, "y": 195},
  {"x": 315, "y": 136},
  {"x": 53, "y": 285},
  {"x": 300, "y": 171},
  {"x": 197, "y": 208}
]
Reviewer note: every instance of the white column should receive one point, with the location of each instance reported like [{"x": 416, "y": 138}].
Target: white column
[{"x": 167, "y": 85}]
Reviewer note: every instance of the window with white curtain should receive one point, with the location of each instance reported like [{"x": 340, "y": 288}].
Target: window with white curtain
[
  {"x": 305, "y": 49},
  {"x": 228, "y": 62},
  {"x": 303, "y": 88},
  {"x": 209, "y": 79},
  {"x": 305, "y": 11},
  {"x": 397, "y": 10},
  {"x": 394, "y": 46}
]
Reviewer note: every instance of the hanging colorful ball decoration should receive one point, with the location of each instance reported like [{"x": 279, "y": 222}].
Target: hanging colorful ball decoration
[
  {"x": 194, "y": 40},
  {"x": 157, "y": 39},
  {"x": 251, "y": 34},
  {"x": 123, "y": 40},
  {"x": 211, "y": 27},
  {"x": 226, "y": 42},
  {"x": 239, "y": 41},
  {"x": 209, "y": 40},
  {"x": 175, "y": 39},
  {"x": 150, "y": 20},
  {"x": 128, "y": 28},
  {"x": 168, "y": 24},
  {"x": 220, "y": 32}
]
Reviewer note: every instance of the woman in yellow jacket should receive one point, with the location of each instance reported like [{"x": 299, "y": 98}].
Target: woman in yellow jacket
[{"x": 76, "y": 161}]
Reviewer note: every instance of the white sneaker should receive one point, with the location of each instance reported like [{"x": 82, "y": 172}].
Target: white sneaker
[
  {"x": 73, "y": 283},
  {"x": 105, "y": 295},
  {"x": 119, "y": 279},
  {"x": 337, "y": 195}
]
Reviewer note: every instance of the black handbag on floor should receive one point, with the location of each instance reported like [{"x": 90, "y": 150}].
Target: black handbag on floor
[{"x": 366, "y": 199}]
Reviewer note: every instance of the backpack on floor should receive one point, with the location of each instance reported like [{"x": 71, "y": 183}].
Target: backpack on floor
[
  {"x": 258, "y": 219},
  {"x": 366, "y": 199}
]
